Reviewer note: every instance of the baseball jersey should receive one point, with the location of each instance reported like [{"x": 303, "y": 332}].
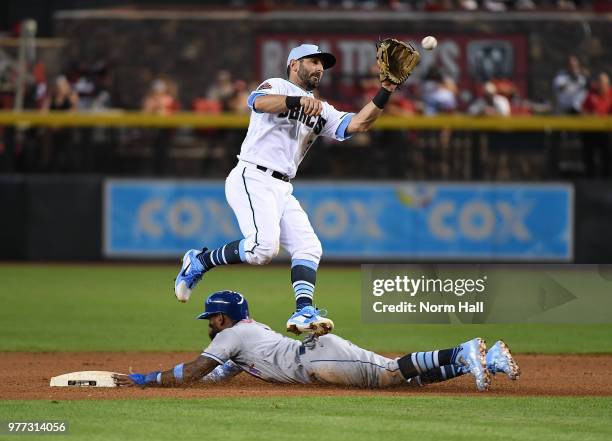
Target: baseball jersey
[
  {"x": 260, "y": 351},
  {"x": 280, "y": 141}
]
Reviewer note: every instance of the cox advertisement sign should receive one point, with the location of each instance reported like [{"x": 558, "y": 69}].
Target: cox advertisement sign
[{"x": 357, "y": 221}]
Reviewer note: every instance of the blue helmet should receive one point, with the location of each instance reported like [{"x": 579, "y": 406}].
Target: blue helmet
[{"x": 231, "y": 303}]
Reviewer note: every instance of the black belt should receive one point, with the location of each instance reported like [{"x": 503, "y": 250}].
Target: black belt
[{"x": 275, "y": 174}]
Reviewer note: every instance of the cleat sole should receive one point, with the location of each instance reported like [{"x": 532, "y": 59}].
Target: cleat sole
[
  {"x": 322, "y": 327},
  {"x": 515, "y": 371}
]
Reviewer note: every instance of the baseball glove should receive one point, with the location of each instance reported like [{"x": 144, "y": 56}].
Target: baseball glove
[{"x": 396, "y": 60}]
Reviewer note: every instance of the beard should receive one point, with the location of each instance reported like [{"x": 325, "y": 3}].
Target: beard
[
  {"x": 212, "y": 333},
  {"x": 309, "y": 80}
]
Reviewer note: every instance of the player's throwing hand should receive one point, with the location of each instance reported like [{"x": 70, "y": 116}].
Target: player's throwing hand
[{"x": 311, "y": 106}]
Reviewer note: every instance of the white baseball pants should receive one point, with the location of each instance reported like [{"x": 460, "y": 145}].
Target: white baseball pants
[{"x": 269, "y": 216}]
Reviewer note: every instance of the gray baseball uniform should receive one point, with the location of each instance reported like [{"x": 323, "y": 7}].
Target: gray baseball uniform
[{"x": 268, "y": 355}]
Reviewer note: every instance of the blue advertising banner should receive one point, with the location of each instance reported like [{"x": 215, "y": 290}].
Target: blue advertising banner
[{"x": 357, "y": 221}]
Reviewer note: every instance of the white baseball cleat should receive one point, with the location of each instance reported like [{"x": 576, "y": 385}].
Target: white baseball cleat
[
  {"x": 188, "y": 277},
  {"x": 472, "y": 356},
  {"x": 310, "y": 319},
  {"x": 500, "y": 360}
]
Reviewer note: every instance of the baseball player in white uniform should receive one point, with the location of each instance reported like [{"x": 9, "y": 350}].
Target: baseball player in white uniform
[
  {"x": 285, "y": 121},
  {"x": 240, "y": 344}
]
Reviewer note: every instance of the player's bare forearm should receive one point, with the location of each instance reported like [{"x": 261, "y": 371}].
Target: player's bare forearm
[
  {"x": 278, "y": 104},
  {"x": 192, "y": 371},
  {"x": 363, "y": 121},
  {"x": 189, "y": 373},
  {"x": 270, "y": 103}
]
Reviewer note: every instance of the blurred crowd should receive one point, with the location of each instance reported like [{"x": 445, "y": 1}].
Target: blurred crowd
[
  {"x": 437, "y": 154},
  {"x": 432, "y": 5},
  {"x": 575, "y": 90}
]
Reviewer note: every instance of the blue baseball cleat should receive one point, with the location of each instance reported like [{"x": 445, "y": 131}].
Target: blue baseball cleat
[
  {"x": 188, "y": 277},
  {"x": 500, "y": 360},
  {"x": 310, "y": 319},
  {"x": 472, "y": 356}
]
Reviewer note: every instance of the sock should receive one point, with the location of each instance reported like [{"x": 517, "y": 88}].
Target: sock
[
  {"x": 228, "y": 254},
  {"x": 437, "y": 375},
  {"x": 417, "y": 363},
  {"x": 303, "y": 279}
]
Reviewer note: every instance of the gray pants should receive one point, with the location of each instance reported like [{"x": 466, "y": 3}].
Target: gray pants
[{"x": 334, "y": 360}]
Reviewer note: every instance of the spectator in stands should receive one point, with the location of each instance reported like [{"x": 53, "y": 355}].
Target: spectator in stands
[
  {"x": 222, "y": 89},
  {"x": 491, "y": 103},
  {"x": 61, "y": 96},
  {"x": 597, "y": 146},
  {"x": 438, "y": 93},
  {"x": 91, "y": 86},
  {"x": 160, "y": 100},
  {"x": 57, "y": 153},
  {"x": 237, "y": 103},
  {"x": 599, "y": 98},
  {"x": 570, "y": 86}
]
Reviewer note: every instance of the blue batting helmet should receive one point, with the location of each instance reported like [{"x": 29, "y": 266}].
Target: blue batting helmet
[{"x": 231, "y": 303}]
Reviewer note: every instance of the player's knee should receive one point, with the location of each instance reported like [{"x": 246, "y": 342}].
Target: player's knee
[
  {"x": 265, "y": 251},
  {"x": 317, "y": 249},
  {"x": 312, "y": 252}
]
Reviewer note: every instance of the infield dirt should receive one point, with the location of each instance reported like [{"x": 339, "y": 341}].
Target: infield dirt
[{"x": 26, "y": 376}]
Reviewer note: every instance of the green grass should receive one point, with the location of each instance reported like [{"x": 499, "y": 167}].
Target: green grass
[
  {"x": 333, "y": 418},
  {"x": 132, "y": 307}
]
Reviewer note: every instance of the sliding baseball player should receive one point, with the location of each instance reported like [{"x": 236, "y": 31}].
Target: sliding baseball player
[{"x": 240, "y": 344}]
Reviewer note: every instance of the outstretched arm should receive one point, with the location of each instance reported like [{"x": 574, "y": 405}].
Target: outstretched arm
[
  {"x": 366, "y": 117},
  {"x": 183, "y": 373}
]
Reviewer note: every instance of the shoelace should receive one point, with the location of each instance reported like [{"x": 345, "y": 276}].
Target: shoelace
[{"x": 320, "y": 312}]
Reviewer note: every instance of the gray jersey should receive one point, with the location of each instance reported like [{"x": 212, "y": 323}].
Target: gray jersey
[
  {"x": 268, "y": 355},
  {"x": 260, "y": 351}
]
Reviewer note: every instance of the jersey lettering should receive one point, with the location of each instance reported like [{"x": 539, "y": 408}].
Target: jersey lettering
[
  {"x": 319, "y": 125},
  {"x": 308, "y": 120}
]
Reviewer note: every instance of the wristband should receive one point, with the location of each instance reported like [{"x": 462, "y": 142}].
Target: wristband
[
  {"x": 381, "y": 98},
  {"x": 178, "y": 373},
  {"x": 151, "y": 377},
  {"x": 158, "y": 379},
  {"x": 293, "y": 102}
]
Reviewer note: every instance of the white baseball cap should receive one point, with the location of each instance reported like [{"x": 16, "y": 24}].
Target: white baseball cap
[{"x": 311, "y": 50}]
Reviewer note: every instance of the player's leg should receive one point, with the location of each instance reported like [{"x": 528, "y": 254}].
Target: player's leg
[
  {"x": 469, "y": 357},
  {"x": 253, "y": 199},
  {"x": 299, "y": 239},
  {"x": 437, "y": 375},
  {"x": 334, "y": 360},
  {"x": 499, "y": 360},
  {"x": 257, "y": 201}
]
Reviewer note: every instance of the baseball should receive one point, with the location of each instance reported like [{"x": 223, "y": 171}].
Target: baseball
[{"x": 429, "y": 43}]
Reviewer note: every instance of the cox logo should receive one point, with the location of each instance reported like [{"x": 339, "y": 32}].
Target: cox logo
[
  {"x": 185, "y": 218},
  {"x": 479, "y": 221}
]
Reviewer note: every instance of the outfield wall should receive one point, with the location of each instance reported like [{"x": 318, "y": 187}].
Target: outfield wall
[
  {"x": 92, "y": 218},
  {"x": 354, "y": 220}
]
